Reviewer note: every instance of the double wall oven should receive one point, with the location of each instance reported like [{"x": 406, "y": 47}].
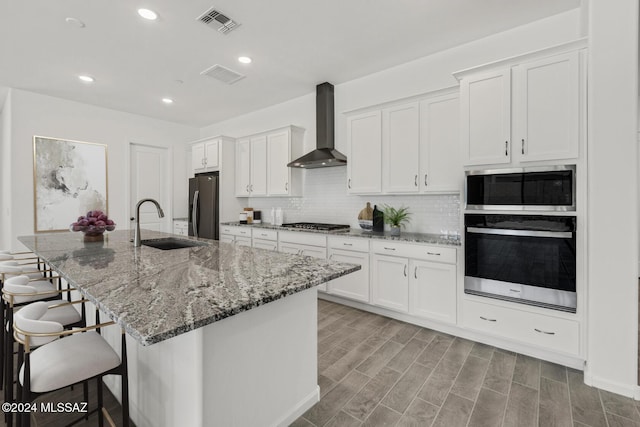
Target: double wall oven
[{"x": 520, "y": 235}]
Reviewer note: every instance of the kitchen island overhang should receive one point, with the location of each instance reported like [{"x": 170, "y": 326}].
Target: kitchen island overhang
[{"x": 234, "y": 329}]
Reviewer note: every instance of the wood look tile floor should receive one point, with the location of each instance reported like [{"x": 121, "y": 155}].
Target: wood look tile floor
[{"x": 376, "y": 371}]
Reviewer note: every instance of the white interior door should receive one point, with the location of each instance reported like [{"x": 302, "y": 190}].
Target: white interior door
[{"x": 150, "y": 178}]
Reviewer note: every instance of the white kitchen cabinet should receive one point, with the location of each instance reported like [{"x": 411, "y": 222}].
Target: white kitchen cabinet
[
  {"x": 265, "y": 239},
  {"x": 546, "y": 108},
  {"x": 205, "y": 156},
  {"x": 432, "y": 290},
  {"x": 516, "y": 324},
  {"x": 364, "y": 133},
  {"x": 400, "y": 148},
  {"x": 353, "y": 251},
  {"x": 181, "y": 228},
  {"x": 243, "y": 167},
  {"x": 390, "y": 282},
  {"x": 486, "y": 117},
  {"x": 261, "y": 163},
  {"x": 241, "y": 236},
  {"x": 414, "y": 143},
  {"x": 258, "y": 185},
  {"x": 440, "y": 160},
  {"x": 309, "y": 244},
  {"x": 418, "y": 279},
  {"x": 524, "y": 109}
]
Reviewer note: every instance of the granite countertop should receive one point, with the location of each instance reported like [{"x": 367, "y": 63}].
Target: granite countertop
[
  {"x": 434, "y": 239},
  {"x": 155, "y": 295}
]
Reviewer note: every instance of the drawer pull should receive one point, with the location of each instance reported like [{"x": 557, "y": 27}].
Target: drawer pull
[
  {"x": 264, "y": 234},
  {"x": 415, "y": 181},
  {"x": 487, "y": 319},
  {"x": 405, "y": 270},
  {"x": 540, "y": 331},
  {"x": 389, "y": 249},
  {"x": 415, "y": 272},
  {"x": 347, "y": 244},
  {"x": 434, "y": 253},
  {"x": 514, "y": 290}
]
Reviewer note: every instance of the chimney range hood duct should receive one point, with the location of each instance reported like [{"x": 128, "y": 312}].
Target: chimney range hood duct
[{"x": 325, "y": 155}]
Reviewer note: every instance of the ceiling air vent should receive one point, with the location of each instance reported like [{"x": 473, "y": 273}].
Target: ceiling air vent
[
  {"x": 215, "y": 19},
  {"x": 223, "y": 74}
]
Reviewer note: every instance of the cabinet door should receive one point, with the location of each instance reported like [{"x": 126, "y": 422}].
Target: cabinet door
[
  {"x": 432, "y": 290},
  {"x": 390, "y": 282},
  {"x": 354, "y": 285},
  {"x": 227, "y": 238},
  {"x": 197, "y": 158},
  {"x": 258, "y": 186},
  {"x": 243, "y": 167},
  {"x": 212, "y": 155},
  {"x": 485, "y": 108},
  {"x": 243, "y": 241},
  {"x": 364, "y": 132},
  {"x": 440, "y": 160},
  {"x": 265, "y": 244},
  {"x": 278, "y": 157},
  {"x": 400, "y": 142},
  {"x": 546, "y": 108}
]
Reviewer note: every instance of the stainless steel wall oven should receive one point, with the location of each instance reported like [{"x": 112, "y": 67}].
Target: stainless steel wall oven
[
  {"x": 529, "y": 259},
  {"x": 524, "y": 255}
]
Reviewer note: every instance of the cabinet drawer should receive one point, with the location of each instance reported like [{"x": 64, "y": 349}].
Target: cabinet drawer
[
  {"x": 259, "y": 233},
  {"x": 348, "y": 244},
  {"x": 235, "y": 231},
  {"x": 303, "y": 238},
  {"x": 423, "y": 252},
  {"x": 531, "y": 328}
]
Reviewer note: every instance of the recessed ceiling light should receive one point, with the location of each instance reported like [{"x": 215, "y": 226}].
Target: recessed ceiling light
[
  {"x": 148, "y": 14},
  {"x": 86, "y": 79},
  {"x": 167, "y": 100},
  {"x": 244, "y": 59},
  {"x": 75, "y": 21}
]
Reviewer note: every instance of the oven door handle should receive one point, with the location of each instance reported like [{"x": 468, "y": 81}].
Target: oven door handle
[{"x": 525, "y": 233}]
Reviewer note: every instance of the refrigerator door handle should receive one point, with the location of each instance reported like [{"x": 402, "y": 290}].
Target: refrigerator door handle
[{"x": 194, "y": 213}]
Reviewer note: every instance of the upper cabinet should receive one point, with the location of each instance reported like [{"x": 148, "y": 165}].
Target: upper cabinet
[
  {"x": 406, "y": 147},
  {"x": 365, "y": 153},
  {"x": 206, "y": 154},
  {"x": 525, "y": 109},
  {"x": 261, "y": 163}
]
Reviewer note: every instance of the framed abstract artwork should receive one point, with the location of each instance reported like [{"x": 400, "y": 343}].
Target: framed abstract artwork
[{"x": 69, "y": 179}]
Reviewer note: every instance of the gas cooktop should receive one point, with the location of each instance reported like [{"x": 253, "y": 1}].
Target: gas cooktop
[{"x": 317, "y": 226}]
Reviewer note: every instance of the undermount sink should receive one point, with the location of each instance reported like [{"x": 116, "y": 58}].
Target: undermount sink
[{"x": 172, "y": 243}]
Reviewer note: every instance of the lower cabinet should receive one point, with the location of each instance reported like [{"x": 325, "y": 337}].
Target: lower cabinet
[
  {"x": 239, "y": 235},
  {"x": 265, "y": 239},
  {"x": 314, "y": 245},
  {"x": 432, "y": 290},
  {"x": 353, "y": 251},
  {"x": 181, "y": 228},
  {"x": 554, "y": 333},
  {"x": 415, "y": 279},
  {"x": 390, "y": 282}
]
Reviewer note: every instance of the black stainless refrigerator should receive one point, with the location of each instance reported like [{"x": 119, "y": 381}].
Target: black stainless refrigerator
[{"x": 203, "y": 205}]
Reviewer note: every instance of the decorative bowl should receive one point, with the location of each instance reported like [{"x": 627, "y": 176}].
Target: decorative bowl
[
  {"x": 366, "y": 224},
  {"x": 93, "y": 225}
]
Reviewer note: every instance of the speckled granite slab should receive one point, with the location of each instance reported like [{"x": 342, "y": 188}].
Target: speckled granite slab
[
  {"x": 155, "y": 295},
  {"x": 433, "y": 239}
]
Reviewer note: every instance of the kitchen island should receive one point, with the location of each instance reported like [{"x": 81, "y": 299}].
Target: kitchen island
[{"x": 220, "y": 335}]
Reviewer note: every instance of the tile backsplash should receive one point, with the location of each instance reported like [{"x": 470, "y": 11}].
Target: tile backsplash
[{"x": 326, "y": 200}]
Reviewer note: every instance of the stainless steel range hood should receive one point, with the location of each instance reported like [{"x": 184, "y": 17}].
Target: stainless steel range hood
[{"x": 325, "y": 155}]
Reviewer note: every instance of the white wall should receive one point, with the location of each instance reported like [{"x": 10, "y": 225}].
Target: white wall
[
  {"x": 324, "y": 193},
  {"x": 613, "y": 196},
  {"x": 5, "y": 172},
  {"x": 34, "y": 114}
]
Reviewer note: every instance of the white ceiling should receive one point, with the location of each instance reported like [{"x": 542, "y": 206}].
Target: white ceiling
[{"x": 295, "y": 44}]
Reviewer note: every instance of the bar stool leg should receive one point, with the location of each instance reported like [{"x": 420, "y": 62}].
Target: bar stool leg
[{"x": 100, "y": 414}]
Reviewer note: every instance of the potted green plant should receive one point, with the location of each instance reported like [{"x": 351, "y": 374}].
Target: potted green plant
[{"x": 396, "y": 218}]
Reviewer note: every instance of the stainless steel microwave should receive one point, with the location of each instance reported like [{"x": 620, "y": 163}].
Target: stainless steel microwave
[{"x": 548, "y": 188}]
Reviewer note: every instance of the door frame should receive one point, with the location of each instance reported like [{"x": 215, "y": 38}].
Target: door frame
[{"x": 168, "y": 210}]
